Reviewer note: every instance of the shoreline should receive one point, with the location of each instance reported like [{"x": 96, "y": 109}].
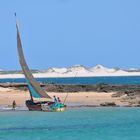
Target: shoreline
[{"x": 21, "y": 109}]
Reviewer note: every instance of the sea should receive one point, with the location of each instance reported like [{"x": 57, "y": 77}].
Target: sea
[
  {"x": 81, "y": 80},
  {"x": 106, "y": 123},
  {"x": 92, "y": 123}
]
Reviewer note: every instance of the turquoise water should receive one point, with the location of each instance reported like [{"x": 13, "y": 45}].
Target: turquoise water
[
  {"x": 74, "y": 124},
  {"x": 83, "y": 80}
]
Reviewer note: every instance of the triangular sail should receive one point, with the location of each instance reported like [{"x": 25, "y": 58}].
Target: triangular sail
[
  {"x": 32, "y": 91},
  {"x": 33, "y": 84}
]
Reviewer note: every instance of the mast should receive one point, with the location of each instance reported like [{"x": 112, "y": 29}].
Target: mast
[
  {"x": 31, "y": 80},
  {"x": 31, "y": 96}
]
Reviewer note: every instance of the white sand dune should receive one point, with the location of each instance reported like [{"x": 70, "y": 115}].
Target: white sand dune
[{"x": 77, "y": 70}]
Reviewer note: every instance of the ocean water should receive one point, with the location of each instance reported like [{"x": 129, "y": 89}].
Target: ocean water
[
  {"x": 74, "y": 124},
  {"x": 82, "y": 80}
]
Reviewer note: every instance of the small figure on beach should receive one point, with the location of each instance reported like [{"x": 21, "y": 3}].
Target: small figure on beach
[{"x": 14, "y": 105}]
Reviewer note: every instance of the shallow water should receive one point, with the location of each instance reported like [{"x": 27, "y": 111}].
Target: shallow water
[{"x": 74, "y": 124}]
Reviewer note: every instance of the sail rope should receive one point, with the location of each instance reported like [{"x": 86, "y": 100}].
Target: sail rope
[
  {"x": 25, "y": 96},
  {"x": 68, "y": 92}
]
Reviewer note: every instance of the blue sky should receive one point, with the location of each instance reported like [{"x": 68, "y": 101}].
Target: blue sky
[{"x": 62, "y": 33}]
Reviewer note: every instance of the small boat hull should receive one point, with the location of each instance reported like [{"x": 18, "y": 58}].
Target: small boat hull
[
  {"x": 33, "y": 106},
  {"x": 44, "y": 106},
  {"x": 62, "y": 109}
]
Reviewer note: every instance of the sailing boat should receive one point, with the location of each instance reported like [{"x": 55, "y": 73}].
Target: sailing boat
[{"x": 34, "y": 88}]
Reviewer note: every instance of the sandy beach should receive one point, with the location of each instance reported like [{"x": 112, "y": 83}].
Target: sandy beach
[{"x": 7, "y": 95}]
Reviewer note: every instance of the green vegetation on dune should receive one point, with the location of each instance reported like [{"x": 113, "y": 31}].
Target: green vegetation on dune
[{"x": 17, "y": 72}]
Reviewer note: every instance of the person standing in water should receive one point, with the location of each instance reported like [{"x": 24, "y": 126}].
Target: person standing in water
[{"x": 14, "y": 105}]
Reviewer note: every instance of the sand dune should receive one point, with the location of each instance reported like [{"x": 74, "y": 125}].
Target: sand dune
[{"x": 77, "y": 70}]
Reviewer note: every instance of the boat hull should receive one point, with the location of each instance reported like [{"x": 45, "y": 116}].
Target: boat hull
[
  {"x": 33, "y": 106},
  {"x": 43, "y": 106}
]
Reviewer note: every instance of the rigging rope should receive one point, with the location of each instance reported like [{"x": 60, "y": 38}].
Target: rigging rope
[
  {"x": 67, "y": 92},
  {"x": 25, "y": 96}
]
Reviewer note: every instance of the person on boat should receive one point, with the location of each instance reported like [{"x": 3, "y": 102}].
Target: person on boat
[
  {"x": 59, "y": 100},
  {"x": 14, "y": 105},
  {"x": 55, "y": 99},
  {"x": 57, "y": 103}
]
